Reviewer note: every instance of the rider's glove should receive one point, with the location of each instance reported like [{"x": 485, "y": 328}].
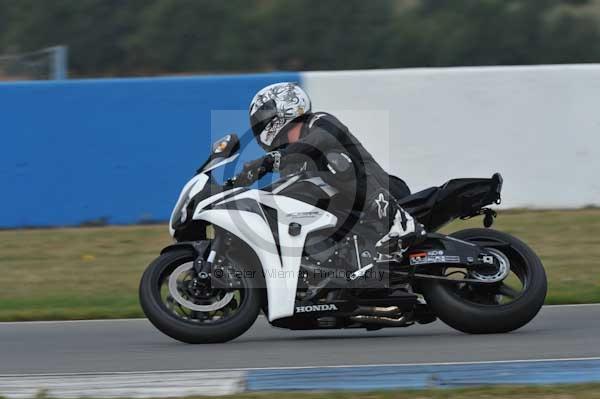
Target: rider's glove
[
  {"x": 256, "y": 169},
  {"x": 270, "y": 162},
  {"x": 273, "y": 161}
]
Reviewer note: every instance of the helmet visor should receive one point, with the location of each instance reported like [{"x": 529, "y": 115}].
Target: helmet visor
[{"x": 263, "y": 116}]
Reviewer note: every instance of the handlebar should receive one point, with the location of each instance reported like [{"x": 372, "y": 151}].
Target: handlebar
[
  {"x": 245, "y": 178},
  {"x": 230, "y": 183}
]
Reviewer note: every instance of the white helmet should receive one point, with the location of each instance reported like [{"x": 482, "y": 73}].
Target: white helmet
[{"x": 274, "y": 107}]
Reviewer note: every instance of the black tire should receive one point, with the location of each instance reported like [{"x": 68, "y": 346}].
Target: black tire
[
  {"x": 188, "y": 331},
  {"x": 474, "y": 318}
]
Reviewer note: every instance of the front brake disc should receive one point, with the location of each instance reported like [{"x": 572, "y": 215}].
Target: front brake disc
[{"x": 174, "y": 291}]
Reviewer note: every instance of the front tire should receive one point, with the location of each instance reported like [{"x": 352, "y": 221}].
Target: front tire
[
  {"x": 186, "y": 329},
  {"x": 472, "y": 317}
]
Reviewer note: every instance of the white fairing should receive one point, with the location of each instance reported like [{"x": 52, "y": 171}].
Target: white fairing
[
  {"x": 221, "y": 163},
  {"x": 193, "y": 187},
  {"x": 281, "y": 272}
]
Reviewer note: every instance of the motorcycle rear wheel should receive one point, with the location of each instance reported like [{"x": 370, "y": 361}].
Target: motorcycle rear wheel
[
  {"x": 187, "y": 325},
  {"x": 479, "y": 309}
]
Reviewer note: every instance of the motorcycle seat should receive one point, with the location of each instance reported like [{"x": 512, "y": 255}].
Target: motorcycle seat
[
  {"x": 458, "y": 198},
  {"x": 420, "y": 200}
]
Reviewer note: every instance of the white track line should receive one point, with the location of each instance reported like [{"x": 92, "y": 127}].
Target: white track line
[
  {"x": 573, "y": 305},
  {"x": 569, "y": 359},
  {"x": 580, "y": 305},
  {"x": 173, "y": 383},
  {"x": 133, "y": 385}
]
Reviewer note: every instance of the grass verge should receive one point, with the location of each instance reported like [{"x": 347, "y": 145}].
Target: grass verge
[{"x": 79, "y": 273}]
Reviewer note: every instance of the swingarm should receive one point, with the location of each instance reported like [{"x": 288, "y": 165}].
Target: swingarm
[{"x": 443, "y": 257}]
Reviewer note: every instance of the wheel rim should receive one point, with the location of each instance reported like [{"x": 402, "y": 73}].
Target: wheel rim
[
  {"x": 500, "y": 274},
  {"x": 506, "y": 291},
  {"x": 184, "y": 296},
  {"x": 179, "y": 277}
]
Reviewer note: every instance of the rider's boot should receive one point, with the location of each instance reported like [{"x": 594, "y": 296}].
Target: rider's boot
[{"x": 404, "y": 233}]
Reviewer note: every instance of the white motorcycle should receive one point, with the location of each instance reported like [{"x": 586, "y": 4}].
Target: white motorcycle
[{"x": 279, "y": 249}]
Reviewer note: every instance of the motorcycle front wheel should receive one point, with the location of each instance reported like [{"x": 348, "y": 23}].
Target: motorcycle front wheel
[
  {"x": 187, "y": 309},
  {"x": 491, "y": 308}
]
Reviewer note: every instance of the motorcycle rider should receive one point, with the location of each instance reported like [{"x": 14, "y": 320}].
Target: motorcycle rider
[{"x": 297, "y": 139}]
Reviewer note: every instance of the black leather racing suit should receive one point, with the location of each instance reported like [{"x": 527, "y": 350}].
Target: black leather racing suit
[{"x": 367, "y": 190}]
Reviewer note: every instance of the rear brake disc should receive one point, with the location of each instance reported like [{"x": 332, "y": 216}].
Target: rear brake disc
[{"x": 500, "y": 274}]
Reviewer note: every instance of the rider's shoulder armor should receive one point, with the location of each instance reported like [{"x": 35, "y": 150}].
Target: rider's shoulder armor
[{"x": 325, "y": 121}]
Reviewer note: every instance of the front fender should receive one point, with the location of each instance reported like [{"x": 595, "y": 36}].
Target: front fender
[{"x": 199, "y": 247}]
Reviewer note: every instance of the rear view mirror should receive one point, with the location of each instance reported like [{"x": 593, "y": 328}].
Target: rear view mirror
[
  {"x": 225, "y": 146},
  {"x": 221, "y": 149}
]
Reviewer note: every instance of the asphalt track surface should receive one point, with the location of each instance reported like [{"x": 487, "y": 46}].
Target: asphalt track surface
[{"x": 558, "y": 332}]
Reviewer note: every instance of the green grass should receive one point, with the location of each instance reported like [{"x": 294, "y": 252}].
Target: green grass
[
  {"x": 79, "y": 273},
  {"x": 582, "y": 391},
  {"x": 75, "y": 273}
]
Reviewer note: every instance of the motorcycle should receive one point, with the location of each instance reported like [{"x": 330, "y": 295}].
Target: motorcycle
[{"x": 239, "y": 251}]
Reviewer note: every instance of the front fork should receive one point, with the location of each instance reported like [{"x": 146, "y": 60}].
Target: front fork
[
  {"x": 205, "y": 253},
  {"x": 202, "y": 266}
]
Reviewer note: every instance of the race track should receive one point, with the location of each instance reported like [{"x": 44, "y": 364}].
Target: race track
[{"x": 134, "y": 345}]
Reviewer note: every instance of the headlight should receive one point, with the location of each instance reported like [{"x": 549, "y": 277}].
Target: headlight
[
  {"x": 183, "y": 216},
  {"x": 210, "y": 232}
]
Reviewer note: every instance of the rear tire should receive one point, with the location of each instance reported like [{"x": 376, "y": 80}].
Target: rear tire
[
  {"x": 188, "y": 331},
  {"x": 475, "y": 318}
]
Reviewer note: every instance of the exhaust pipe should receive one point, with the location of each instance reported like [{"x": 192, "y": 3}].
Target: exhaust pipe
[
  {"x": 402, "y": 321},
  {"x": 377, "y": 311},
  {"x": 387, "y": 316}
]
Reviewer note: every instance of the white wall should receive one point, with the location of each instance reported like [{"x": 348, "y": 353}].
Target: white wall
[{"x": 539, "y": 126}]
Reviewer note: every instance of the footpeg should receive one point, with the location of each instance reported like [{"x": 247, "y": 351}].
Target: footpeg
[{"x": 361, "y": 272}]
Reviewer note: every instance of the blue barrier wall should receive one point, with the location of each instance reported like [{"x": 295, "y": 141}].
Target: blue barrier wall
[{"x": 119, "y": 149}]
